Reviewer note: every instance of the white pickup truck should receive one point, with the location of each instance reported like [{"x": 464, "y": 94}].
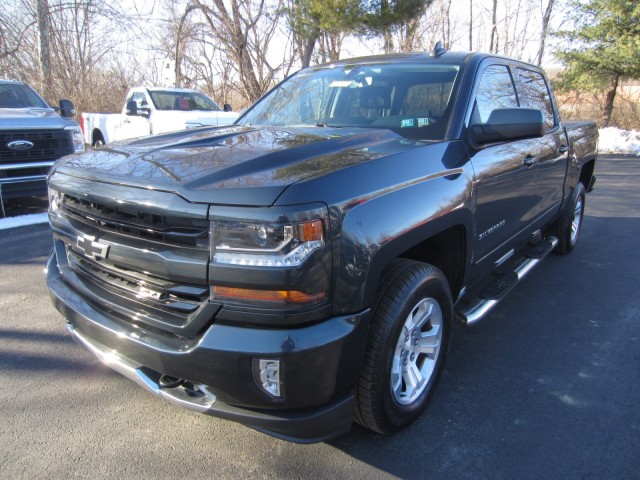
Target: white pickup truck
[{"x": 153, "y": 110}]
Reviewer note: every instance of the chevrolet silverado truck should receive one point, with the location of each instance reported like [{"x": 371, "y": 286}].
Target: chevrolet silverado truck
[
  {"x": 32, "y": 137},
  {"x": 302, "y": 268},
  {"x": 154, "y": 110}
]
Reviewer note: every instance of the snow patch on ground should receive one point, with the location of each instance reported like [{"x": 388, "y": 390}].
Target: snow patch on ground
[
  {"x": 622, "y": 142},
  {"x": 612, "y": 141}
]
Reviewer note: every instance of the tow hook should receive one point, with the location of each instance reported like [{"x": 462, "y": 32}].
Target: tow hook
[{"x": 167, "y": 381}]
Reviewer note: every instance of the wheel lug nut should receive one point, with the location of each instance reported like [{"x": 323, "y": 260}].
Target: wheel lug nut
[
  {"x": 413, "y": 357},
  {"x": 416, "y": 342}
]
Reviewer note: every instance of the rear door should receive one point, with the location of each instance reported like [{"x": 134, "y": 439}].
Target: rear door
[{"x": 552, "y": 149}]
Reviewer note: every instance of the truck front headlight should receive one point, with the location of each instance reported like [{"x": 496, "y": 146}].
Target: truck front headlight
[
  {"x": 55, "y": 198},
  {"x": 276, "y": 257},
  {"x": 76, "y": 139},
  {"x": 265, "y": 244}
]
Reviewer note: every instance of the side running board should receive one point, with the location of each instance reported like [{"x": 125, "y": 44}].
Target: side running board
[{"x": 501, "y": 285}]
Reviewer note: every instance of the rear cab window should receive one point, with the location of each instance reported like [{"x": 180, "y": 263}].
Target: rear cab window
[{"x": 535, "y": 94}]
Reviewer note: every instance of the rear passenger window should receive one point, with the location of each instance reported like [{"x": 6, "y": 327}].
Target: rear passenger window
[
  {"x": 495, "y": 91},
  {"x": 535, "y": 94}
]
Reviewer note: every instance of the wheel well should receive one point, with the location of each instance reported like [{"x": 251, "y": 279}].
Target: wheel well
[
  {"x": 96, "y": 135},
  {"x": 445, "y": 250},
  {"x": 586, "y": 173}
]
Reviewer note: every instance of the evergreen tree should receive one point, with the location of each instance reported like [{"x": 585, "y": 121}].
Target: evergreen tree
[
  {"x": 603, "y": 48},
  {"x": 383, "y": 16},
  {"x": 310, "y": 19}
]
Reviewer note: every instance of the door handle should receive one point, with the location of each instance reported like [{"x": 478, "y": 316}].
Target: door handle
[
  {"x": 529, "y": 160},
  {"x": 563, "y": 148}
]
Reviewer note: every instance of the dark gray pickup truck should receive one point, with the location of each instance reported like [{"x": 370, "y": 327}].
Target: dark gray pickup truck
[{"x": 302, "y": 268}]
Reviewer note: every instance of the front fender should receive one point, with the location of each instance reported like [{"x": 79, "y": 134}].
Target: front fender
[{"x": 382, "y": 228}]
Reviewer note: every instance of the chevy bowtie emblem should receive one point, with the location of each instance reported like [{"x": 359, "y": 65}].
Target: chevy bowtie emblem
[
  {"x": 91, "y": 248},
  {"x": 20, "y": 145}
]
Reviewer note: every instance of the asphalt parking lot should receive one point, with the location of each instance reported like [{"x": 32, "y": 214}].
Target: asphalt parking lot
[{"x": 548, "y": 386}]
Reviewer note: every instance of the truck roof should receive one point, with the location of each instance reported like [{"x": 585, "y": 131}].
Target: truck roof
[
  {"x": 165, "y": 89},
  {"x": 426, "y": 57}
]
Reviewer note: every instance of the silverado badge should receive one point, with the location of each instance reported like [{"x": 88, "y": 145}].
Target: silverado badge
[{"x": 90, "y": 248}]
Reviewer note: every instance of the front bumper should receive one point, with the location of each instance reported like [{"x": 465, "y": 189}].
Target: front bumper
[{"x": 320, "y": 365}]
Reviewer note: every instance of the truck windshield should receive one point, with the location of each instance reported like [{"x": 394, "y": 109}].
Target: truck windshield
[
  {"x": 412, "y": 99},
  {"x": 16, "y": 95},
  {"x": 177, "y": 100}
]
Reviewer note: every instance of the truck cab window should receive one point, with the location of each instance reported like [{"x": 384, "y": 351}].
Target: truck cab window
[
  {"x": 495, "y": 91},
  {"x": 140, "y": 99},
  {"x": 535, "y": 94}
]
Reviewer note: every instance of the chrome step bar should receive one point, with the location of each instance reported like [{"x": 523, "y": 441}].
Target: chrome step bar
[
  {"x": 196, "y": 397},
  {"x": 477, "y": 310}
]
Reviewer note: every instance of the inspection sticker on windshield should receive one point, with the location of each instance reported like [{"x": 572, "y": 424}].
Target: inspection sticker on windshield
[
  {"x": 341, "y": 83},
  {"x": 408, "y": 122},
  {"x": 423, "y": 122}
]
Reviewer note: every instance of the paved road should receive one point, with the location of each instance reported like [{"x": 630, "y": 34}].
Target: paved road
[{"x": 547, "y": 387}]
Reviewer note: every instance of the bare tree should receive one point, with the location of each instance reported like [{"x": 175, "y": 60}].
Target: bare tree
[
  {"x": 42, "y": 18},
  {"x": 470, "y": 25},
  {"x": 493, "y": 46},
  {"x": 243, "y": 29},
  {"x": 14, "y": 27},
  {"x": 546, "y": 18}
]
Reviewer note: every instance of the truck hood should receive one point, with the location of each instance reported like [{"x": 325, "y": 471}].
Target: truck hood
[
  {"x": 31, "y": 118},
  {"x": 235, "y": 165}
]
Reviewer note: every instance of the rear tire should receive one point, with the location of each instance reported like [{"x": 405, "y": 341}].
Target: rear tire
[
  {"x": 407, "y": 347},
  {"x": 98, "y": 141},
  {"x": 568, "y": 227}
]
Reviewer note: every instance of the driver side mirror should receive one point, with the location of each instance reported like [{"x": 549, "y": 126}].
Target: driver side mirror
[
  {"x": 67, "y": 110},
  {"x": 134, "y": 111},
  {"x": 132, "y": 108},
  {"x": 227, "y": 107},
  {"x": 510, "y": 124}
]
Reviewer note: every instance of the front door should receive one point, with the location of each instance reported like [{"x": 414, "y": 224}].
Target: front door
[{"x": 505, "y": 173}]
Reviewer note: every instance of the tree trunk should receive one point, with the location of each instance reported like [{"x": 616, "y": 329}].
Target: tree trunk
[
  {"x": 471, "y": 25},
  {"x": 493, "y": 48},
  {"x": 610, "y": 98},
  {"x": 44, "y": 52},
  {"x": 545, "y": 29},
  {"x": 309, "y": 46},
  {"x": 387, "y": 34},
  {"x": 180, "y": 46}
]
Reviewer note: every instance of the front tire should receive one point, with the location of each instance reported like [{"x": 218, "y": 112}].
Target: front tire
[{"x": 407, "y": 347}]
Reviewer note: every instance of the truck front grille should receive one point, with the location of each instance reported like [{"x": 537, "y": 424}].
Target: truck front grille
[
  {"x": 142, "y": 262},
  {"x": 164, "y": 229},
  {"x": 172, "y": 298},
  {"x": 47, "y": 145}
]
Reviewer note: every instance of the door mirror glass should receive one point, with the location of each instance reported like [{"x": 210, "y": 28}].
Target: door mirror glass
[{"x": 67, "y": 110}]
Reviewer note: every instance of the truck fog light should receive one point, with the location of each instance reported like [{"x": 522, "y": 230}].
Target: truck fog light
[{"x": 267, "y": 376}]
